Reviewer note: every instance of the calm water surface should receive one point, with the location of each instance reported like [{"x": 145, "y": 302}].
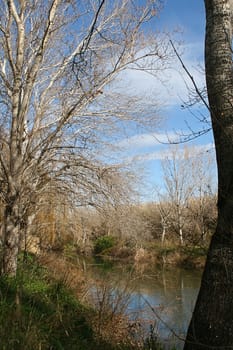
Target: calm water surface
[{"x": 163, "y": 298}]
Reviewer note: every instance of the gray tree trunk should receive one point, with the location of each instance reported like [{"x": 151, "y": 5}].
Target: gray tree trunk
[
  {"x": 11, "y": 239},
  {"x": 212, "y": 321}
]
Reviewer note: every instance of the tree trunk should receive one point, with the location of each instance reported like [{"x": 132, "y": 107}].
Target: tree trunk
[
  {"x": 11, "y": 239},
  {"x": 212, "y": 321},
  {"x": 181, "y": 236},
  {"x": 163, "y": 235}
]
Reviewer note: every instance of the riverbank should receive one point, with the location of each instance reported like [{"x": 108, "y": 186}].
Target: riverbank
[
  {"x": 151, "y": 254},
  {"x": 188, "y": 257},
  {"x": 46, "y": 307}
]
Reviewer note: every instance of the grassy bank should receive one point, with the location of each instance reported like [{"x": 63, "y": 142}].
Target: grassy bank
[{"x": 39, "y": 311}]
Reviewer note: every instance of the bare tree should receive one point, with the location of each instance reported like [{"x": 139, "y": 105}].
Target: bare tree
[
  {"x": 201, "y": 210},
  {"x": 58, "y": 60},
  {"x": 164, "y": 212},
  {"x": 179, "y": 186},
  {"x": 188, "y": 185}
]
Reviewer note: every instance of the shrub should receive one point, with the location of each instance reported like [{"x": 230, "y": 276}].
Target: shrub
[{"x": 104, "y": 243}]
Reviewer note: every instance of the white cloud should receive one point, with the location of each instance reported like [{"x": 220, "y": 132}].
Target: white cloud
[
  {"x": 170, "y": 90},
  {"x": 171, "y": 86},
  {"x": 148, "y": 140},
  {"x": 168, "y": 152}
]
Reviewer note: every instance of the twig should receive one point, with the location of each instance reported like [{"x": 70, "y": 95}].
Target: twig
[{"x": 190, "y": 76}]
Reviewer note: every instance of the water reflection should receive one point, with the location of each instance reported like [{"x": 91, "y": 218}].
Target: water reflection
[{"x": 166, "y": 296}]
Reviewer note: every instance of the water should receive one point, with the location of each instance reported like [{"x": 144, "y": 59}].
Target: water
[{"x": 159, "y": 298}]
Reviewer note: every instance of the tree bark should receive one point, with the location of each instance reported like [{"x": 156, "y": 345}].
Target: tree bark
[
  {"x": 211, "y": 326},
  {"x": 11, "y": 239}
]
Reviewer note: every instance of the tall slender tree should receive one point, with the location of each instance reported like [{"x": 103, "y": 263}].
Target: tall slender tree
[{"x": 212, "y": 321}]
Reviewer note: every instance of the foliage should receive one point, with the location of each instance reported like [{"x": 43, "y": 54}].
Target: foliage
[{"x": 104, "y": 243}]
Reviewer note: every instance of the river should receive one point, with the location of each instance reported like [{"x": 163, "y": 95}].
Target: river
[{"x": 162, "y": 298}]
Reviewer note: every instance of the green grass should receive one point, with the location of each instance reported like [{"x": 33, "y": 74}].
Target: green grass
[{"x": 39, "y": 313}]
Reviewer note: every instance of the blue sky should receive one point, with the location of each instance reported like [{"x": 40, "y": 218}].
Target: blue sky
[{"x": 188, "y": 16}]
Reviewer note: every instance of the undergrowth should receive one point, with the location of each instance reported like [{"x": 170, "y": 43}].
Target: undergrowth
[{"x": 39, "y": 312}]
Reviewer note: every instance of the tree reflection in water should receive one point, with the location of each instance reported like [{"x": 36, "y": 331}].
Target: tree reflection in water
[{"x": 161, "y": 298}]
